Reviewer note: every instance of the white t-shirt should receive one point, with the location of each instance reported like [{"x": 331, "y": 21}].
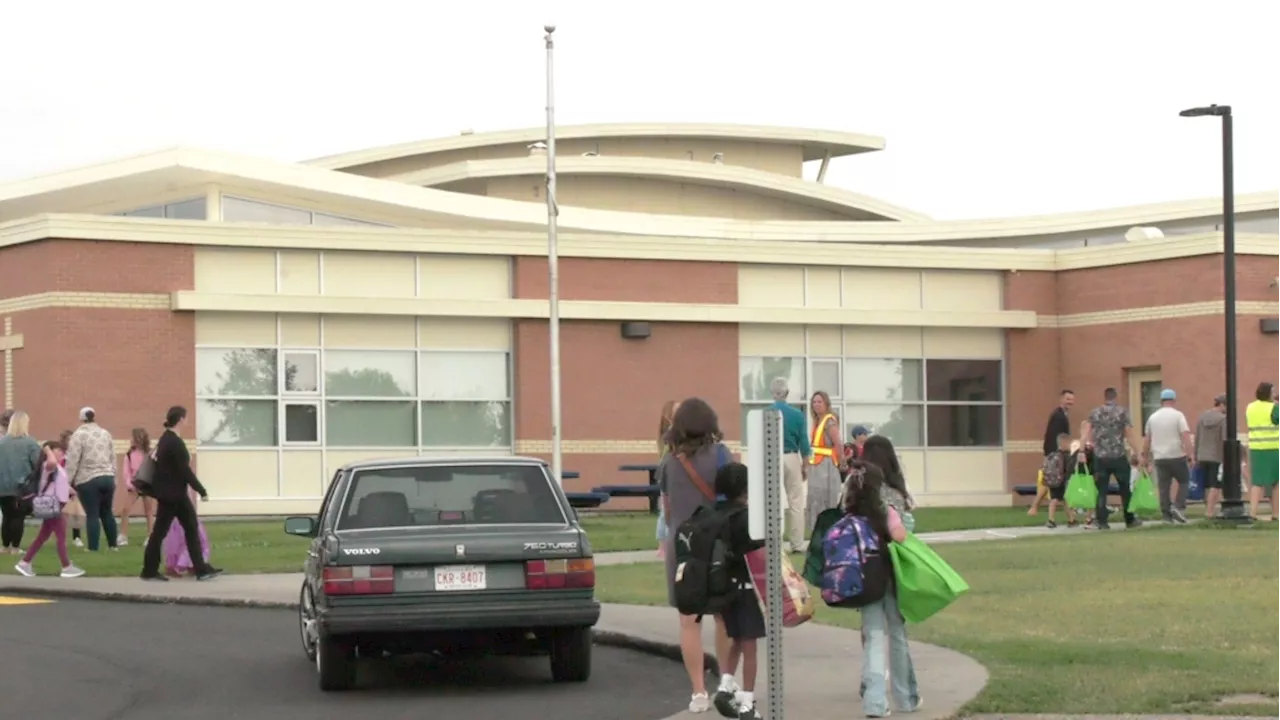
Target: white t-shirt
[{"x": 1166, "y": 427}]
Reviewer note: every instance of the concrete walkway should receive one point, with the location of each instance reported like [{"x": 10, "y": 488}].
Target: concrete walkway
[{"x": 823, "y": 662}]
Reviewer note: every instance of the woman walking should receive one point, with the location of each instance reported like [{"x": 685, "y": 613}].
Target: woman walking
[
  {"x": 91, "y": 467},
  {"x": 827, "y": 466},
  {"x": 19, "y": 456},
  {"x": 172, "y": 480},
  {"x": 139, "y": 448},
  {"x": 53, "y": 482}
]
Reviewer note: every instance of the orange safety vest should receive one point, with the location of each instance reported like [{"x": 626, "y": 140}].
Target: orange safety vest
[{"x": 821, "y": 450}]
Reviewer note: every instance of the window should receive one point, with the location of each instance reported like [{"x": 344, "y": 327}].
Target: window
[
  {"x": 369, "y": 373},
  {"x": 194, "y": 209},
  {"x": 302, "y": 372},
  {"x": 965, "y": 403},
  {"x": 370, "y": 423},
  {"x": 903, "y": 424},
  {"x": 756, "y": 374},
  {"x": 236, "y": 209},
  {"x": 886, "y": 396},
  {"x": 377, "y": 383},
  {"x": 301, "y": 423},
  {"x": 466, "y": 399},
  {"x": 235, "y": 397},
  {"x": 433, "y": 496},
  {"x": 825, "y": 375}
]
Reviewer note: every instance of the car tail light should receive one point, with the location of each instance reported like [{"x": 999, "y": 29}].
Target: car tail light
[
  {"x": 560, "y": 574},
  {"x": 360, "y": 580}
]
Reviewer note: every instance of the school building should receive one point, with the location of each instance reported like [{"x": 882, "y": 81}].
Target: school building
[{"x": 392, "y": 302}]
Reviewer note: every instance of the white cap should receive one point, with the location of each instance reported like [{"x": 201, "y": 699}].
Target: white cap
[{"x": 85, "y": 412}]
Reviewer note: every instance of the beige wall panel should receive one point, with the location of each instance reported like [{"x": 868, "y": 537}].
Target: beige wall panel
[
  {"x": 964, "y": 343},
  {"x": 882, "y": 342},
  {"x": 464, "y": 334},
  {"x": 770, "y": 340},
  {"x": 303, "y": 475},
  {"x": 824, "y": 340},
  {"x": 335, "y": 459},
  {"x": 368, "y": 274},
  {"x": 299, "y": 272},
  {"x": 881, "y": 288},
  {"x": 235, "y": 329},
  {"x": 235, "y": 474},
  {"x": 912, "y": 462},
  {"x": 464, "y": 278},
  {"x": 238, "y": 271},
  {"x": 961, "y": 472},
  {"x": 822, "y": 287},
  {"x": 962, "y": 290},
  {"x": 300, "y": 330},
  {"x": 368, "y": 331},
  {"x": 770, "y": 286},
  {"x": 260, "y": 508}
]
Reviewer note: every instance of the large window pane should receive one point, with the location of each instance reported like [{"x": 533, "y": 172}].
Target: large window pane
[
  {"x": 186, "y": 210},
  {"x": 903, "y": 424},
  {"x": 156, "y": 211},
  {"x": 756, "y": 374},
  {"x": 824, "y": 375},
  {"x": 465, "y": 376},
  {"x": 301, "y": 374},
  {"x": 325, "y": 219},
  {"x": 466, "y": 424},
  {"x": 236, "y": 422},
  {"x": 238, "y": 210},
  {"x": 748, "y": 407},
  {"x": 965, "y": 426},
  {"x": 963, "y": 380},
  {"x": 369, "y": 373},
  {"x": 877, "y": 380},
  {"x": 242, "y": 372},
  {"x": 373, "y": 423},
  {"x": 301, "y": 423}
]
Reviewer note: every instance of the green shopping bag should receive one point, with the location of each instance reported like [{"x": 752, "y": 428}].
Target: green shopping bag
[
  {"x": 815, "y": 560},
  {"x": 1082, "y": 491},
  {"x": 925, "y": 582},
  {"x": 1144, "y": 498}
]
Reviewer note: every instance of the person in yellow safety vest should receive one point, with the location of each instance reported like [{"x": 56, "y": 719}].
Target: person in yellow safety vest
[
  {"x": 1263, "y": 419},
  {"x": 827, "y": 464}
]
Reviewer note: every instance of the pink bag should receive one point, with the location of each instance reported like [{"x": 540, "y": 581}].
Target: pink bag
[{"x": 797, "y": 602}]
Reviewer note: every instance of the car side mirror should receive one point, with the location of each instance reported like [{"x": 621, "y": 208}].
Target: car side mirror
[{"x": 301, "y": 526}]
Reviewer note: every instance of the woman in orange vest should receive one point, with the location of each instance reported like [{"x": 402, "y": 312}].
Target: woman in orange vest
[{"x": 826, "y": 467}]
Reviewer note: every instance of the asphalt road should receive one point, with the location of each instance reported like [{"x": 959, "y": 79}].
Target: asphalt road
[{"x": 122, "y": 661}]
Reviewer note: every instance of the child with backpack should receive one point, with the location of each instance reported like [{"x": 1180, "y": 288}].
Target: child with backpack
[
  {"x": 51, "y": 495},
  {"x": 1055, "y": 469}
]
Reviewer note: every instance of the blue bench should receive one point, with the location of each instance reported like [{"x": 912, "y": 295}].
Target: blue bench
[
  {"x": 586, "y": 500},
  {"x": 570, "y": 474},
  {"x": 650, "y": 490}
]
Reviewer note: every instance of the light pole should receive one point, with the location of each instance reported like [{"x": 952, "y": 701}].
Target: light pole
[
  {"x": 553, "y": 261},
  {"x": 1232, "y": 503}
]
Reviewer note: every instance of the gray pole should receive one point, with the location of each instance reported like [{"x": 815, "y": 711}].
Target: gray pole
[
  {"x": 553, "y": 262},
  {"x": 774, "y": 554}
]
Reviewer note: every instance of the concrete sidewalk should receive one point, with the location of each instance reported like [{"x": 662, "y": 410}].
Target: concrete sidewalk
[{"x": 823, "y": 662}]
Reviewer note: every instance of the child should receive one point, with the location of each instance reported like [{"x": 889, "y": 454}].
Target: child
[
  {"x": 743, "y": 620},
  {"x": 177, "y": 559},
  {"x": 883, "y": 629},
  {"x": 879, "y": 451},
  {"x": 73, "y": 512},
  {"x": 53, "y": 481},
  {"x": 1055, "y": 479}
]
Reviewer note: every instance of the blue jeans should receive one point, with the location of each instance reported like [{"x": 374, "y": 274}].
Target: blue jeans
[
  {"x": 97, "y": 497},
  {"x": 884, "y": 635}
]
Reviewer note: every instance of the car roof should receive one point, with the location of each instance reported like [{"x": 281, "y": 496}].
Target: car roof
[{"x": 444, "y": 461}]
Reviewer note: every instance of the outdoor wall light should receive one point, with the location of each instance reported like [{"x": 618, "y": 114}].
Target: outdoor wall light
[{"x": 636, "y": 331}]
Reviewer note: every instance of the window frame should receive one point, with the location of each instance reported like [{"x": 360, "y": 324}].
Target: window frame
[{"x": 283, "y": 432}]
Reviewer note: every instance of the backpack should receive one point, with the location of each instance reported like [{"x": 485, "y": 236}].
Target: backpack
[
  {"x": 704, "y": 582},
  {"x": 856, "y": 569}
]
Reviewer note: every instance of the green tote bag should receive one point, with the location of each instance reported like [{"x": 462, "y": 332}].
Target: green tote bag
[
  {"x": 925, "y": 582},
  {"x": 815, "y": 560},
  {"x": 1082, "y": 491},
  {"x": 1144, "y": 499}
]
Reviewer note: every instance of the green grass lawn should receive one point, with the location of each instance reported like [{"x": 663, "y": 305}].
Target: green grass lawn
[{"x": 1164, "y": 620}]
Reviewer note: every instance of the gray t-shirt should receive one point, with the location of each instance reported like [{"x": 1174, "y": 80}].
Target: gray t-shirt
[{"x": 1166, "y": 427}]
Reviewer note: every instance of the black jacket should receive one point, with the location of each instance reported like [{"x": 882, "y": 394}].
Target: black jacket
[{"x": 173, "y": 469}]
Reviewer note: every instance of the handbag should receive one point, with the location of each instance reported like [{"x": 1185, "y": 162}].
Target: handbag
[
  {"x": 45, "y": 506},
  {"x": 925, "y": 582},
  {"x": 1144, "y": 498},
  {"x": 1082, "y": 491},
  {"x": 145, "y": 474},
  {"x": 798, "y": 605}
]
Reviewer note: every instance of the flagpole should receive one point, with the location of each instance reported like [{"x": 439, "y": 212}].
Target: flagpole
[{"x": 553, "y": 263}]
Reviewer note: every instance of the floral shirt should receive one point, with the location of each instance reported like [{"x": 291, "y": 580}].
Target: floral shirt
[{"x": 1110, "y": 423}]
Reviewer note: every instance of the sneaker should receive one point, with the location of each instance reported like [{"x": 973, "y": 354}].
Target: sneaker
[
  {"x": 1051, "y": 524},
  {"x": 699, "y": 703},
  {"x": 1135, "y": 523},
  {"x": 1178, "y": 517},
  {"x": 71, "y": 571},
  {"x": 916, "y": 707},
  {"x": 748, "y": 713},
  {"x": 154, "y": 578},
  {"x": 78, "y": 543},
  {"x": 1073, "y": 523},
  {"x": 122, "y": 542},
  {"x": 209, "y": 574},
  {"x": 24, "y": 569},
  {"x": 726, "y": 703}
]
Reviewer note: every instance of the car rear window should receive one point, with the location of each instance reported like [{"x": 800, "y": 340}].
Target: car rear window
[{"x": 434, "y": 496}]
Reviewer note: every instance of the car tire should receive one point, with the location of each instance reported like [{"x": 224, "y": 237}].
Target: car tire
[
  {"x": 307, "y": 622},
  {"x": 336, "y": 664},
  {"x": 571, "y": 654}
]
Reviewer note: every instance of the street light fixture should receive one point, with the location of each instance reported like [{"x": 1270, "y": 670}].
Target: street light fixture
[{"x": 1232, "y": 506}]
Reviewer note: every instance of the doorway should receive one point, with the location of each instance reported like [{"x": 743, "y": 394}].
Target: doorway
[{"x": 1144, "y": 395}]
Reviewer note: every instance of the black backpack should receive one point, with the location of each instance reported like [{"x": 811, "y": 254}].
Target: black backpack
[
  {"x": 30, "y": 488},
  {"x": 704, "y": 582}
]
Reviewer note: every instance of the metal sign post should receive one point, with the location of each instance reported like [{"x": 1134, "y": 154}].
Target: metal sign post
[{"x": 764, "y": 521}]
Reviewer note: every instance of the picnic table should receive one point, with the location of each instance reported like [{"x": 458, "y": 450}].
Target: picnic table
[
  {"x": 586, "y": 500},
  {"x": 649, "y": 490}
]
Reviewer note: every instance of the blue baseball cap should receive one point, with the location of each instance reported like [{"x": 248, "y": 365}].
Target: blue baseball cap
[
  {"x": 860, "y": 430},
  {"x": 1168, "y": 394}
]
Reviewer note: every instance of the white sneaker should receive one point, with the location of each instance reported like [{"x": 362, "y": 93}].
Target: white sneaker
[
  {"x": 24, "y": 569},
  {"x": 71, "y": 571},
  {"x": 122, "y": 542},
  {"x": 699, "y": 703},
  {"x": 78, "y": 543}
]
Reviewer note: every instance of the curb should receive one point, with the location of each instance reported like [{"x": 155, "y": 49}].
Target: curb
[{"x": 608, "y": 638}]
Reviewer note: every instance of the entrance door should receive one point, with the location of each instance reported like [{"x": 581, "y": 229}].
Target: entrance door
[{"x": 1144, "y": 396}]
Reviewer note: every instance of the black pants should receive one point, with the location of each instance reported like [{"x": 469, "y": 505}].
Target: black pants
[
  {"x": 11, "y": 525},
  {"x": 1104, "y": 469},
  {"x": 97, "y": 497},
  {"x": 166, "y": 512},
  {"x": 1167, "y": 472}
]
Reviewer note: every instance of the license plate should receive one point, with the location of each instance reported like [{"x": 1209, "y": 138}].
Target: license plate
[{"x": 460, "y": 577}]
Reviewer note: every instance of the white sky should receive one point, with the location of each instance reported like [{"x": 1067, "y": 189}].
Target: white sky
[{"x": 990, "y": 108}]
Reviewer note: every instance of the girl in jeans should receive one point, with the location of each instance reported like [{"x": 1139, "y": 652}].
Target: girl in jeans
[
  {"x": 884, "y": 632},
  {"x": 53, "y": 481}
]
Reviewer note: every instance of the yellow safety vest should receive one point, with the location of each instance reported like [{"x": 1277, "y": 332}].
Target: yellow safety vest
[
  {"x": 820, "y": 450},
  {"x": 1263, "y": 434}
]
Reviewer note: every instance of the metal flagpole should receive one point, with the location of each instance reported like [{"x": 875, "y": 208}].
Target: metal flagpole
[{"x": 553, "y": 261}]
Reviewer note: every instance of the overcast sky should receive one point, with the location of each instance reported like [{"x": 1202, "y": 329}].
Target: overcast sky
[{"x": 989, "y": 108}]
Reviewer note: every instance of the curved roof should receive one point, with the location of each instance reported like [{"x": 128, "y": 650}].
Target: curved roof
[
  {"x": 852, "y": 204},
  {"x": 816, "y": 143}
]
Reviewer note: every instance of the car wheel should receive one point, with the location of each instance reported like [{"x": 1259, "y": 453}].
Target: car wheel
[
  {"x": 307, "y": 628},
  {"x": 336, "y": 664},
  {"x": 571, "y": 654}
]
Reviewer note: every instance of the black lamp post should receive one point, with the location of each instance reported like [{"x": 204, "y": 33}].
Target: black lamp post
[{"x": 1232, "y": 504}]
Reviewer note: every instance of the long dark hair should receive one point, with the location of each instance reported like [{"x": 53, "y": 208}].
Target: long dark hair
[
  {"x": 176, "y": 414},
  {"x": 694, "y": 427},
  {"x": 862, "y": 496},
  {"x": 878, "y": 450}
]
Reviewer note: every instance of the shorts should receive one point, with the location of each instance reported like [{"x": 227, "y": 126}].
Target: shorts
[
  {"x": 1209, "y": 474},
  {"x": 1058, "y": 493},
  {"x": 1264, "y": 468},
  {"x": 743, "y": 619}
]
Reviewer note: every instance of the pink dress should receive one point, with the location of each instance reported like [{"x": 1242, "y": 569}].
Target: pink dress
[{"x": 177, "y": 560}]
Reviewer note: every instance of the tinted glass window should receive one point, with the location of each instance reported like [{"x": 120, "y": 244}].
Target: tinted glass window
[{"x": 444, "y": 495}]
